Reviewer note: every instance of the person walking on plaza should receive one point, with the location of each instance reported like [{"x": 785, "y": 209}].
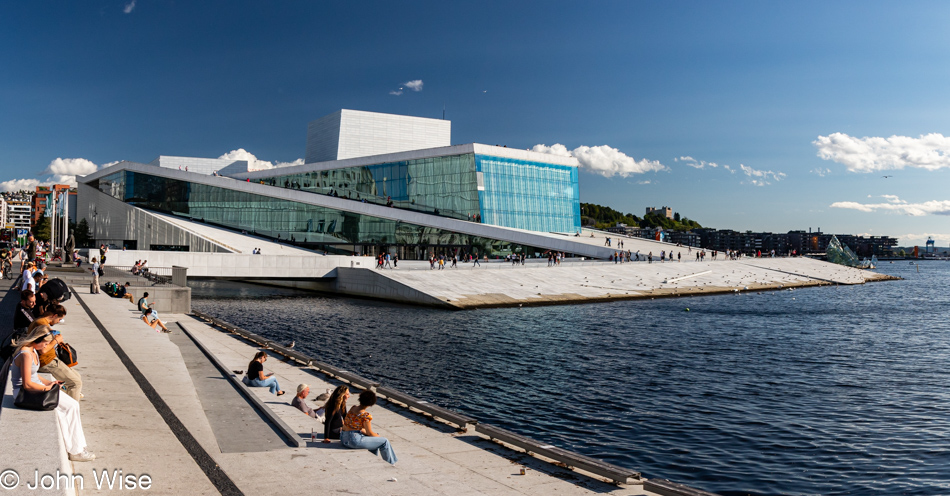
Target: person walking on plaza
[
  {"x": 475, "y": 261},
  {"x": 95, "y": 275},
  {"x": 31, "y": 247},
  {"x": 357, "y": 432}
]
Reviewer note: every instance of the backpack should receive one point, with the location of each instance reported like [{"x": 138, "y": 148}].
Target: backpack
[
  {"x": 56, "y": 291},
  {"x": 100, "y": 271},
  {"x": 67, "y": 354}
]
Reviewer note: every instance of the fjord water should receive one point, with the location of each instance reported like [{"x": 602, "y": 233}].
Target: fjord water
[{"x": 832, "y": 390}]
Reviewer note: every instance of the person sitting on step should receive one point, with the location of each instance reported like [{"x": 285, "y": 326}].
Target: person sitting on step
[
  {"x": 23, "y": 375},
  {"x": 257, "y": 378},
  {"x": 150, "y": 317},
  {"x": 300, "y": 402}
]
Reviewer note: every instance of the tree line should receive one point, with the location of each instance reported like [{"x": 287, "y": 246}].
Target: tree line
[{"x": 601, "y": 217}]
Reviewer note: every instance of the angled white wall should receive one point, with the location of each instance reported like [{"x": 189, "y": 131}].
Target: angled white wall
[{"x": 354, "y": 133}]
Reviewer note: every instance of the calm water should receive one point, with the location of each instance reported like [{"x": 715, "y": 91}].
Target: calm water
[{"x": 813, "y": 391}]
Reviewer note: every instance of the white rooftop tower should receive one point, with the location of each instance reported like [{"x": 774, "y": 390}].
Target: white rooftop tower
[{"x": 355, "y": 133}]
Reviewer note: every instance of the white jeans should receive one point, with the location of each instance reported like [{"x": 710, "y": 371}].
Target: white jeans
[{"x": 67, "y": 416}]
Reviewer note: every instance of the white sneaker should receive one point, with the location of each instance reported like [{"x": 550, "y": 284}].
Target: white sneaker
[{"x": 85, "y": 456}]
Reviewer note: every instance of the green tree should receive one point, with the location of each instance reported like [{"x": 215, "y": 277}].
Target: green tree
[
  {"x": 676, "y": 216},
  {"x": 41, "y": 229},
  {"x": 84, "y": 235}
]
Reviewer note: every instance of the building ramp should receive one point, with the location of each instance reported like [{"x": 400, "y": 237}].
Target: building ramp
[{"x": 578, "y": 282}]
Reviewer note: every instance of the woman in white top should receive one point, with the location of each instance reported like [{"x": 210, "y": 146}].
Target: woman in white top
[
  {"x": 28, "y": 281},
  {"x": 26, "y": 358}
]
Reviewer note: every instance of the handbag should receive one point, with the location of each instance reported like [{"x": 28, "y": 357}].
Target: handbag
[
  {"x": 100, "y": 271},
  {"x": 43, "y": 401},
  {"x": 67, "y": 354}
]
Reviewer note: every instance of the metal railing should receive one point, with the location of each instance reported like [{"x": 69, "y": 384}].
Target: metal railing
[{"x": 152, "y": 276}]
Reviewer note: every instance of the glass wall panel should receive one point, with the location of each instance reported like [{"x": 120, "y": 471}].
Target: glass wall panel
[
  {"x": 437, "y": 185},
  {"x": 529, "y": 195},
  {"x": 308, "y": 225}
]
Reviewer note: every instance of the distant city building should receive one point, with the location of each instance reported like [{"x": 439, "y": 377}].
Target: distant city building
[
  {"x": 664, "y": 211},
  {"x": 42, "y": 198},
  {"x": 632, "y": 231},
  {"x": 19, "y": 213}
]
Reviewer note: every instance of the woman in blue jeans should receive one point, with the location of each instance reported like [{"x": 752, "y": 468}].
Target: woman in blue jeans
[
  {"x": 357, "y": 432},
  {"x": 256, "y": 377}
]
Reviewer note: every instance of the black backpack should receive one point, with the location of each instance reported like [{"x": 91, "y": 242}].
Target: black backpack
[{"x": 56, "y": 291}]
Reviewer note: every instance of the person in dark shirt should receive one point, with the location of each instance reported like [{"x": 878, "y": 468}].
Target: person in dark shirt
[
  {"x": 123, "y": 292},
  {"x": 23, "y": 316},
  {"x": 257, "y": 377},
  {"x": 335, "y": 411}
]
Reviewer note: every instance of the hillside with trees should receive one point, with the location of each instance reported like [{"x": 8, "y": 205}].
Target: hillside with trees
[{"x": 601, "y": 217}]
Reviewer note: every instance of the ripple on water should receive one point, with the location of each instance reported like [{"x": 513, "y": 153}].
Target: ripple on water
[{"x": 839, "y": 391}]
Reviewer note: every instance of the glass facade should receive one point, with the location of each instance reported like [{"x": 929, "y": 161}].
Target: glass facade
[
  {"x": 307, "y": 225},
  {"x": 528, "y": 195},
  {"x": 437, "y": 185},
  {"x": 501, "y": 191}
]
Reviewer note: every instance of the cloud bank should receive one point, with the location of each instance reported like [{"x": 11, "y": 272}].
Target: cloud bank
[
  {"x": 929, "y": 152},
  {"x": 59, "y": 171},
  {"x": 894, "y": 204},
  {"x": 254, "y": 163},
  {"x": 603, "y": 160}
]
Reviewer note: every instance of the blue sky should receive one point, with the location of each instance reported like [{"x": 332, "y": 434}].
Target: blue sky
[{"x": 809, "y": 104}]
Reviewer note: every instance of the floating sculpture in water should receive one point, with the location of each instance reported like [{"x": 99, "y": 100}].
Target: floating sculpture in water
[{"x": 841, "y": 254}]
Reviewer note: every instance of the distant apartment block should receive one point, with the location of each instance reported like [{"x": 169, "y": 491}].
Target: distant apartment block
[
  {"x": 664, "y": 211},
  {"x": 42, "y": 199}
]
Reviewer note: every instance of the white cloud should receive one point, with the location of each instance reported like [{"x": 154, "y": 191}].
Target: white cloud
[
  {"x": 644, "y": 182},
  {"x": 761, "y": 177},
  {"x": 253, "y": 163},
  {"x": 930, "y": 152},
  {"x": 20, "y": 184},
  {"x": 821, "y": 172},
  {"x": 895, "y": 204},
  {"x": 395, "y": 92},
  {"x": 59, "y": 171},
  {"x": 129, "y": 7},
  {"x": 603, "y": 160},
  {"x": 555, "y": 149},
  {"x": 70, "y": 167},
  {"x": 414, "y": 85},
  {"x": 697, "y": 164}
]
